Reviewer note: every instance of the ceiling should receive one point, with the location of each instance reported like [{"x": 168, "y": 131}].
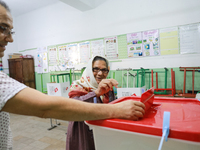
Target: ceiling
[{"x": 19, "y": 7}]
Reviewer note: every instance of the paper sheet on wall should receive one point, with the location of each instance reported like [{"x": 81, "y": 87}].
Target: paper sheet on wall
[
  {"x": 111, "y": 47},
  {"x": 53, "y": 59},
  {"x": 169, "y": 41},
  {"x": 45, "y": 62},
  {"x": 189, "y": 38},
  {"x": 73, "y": 55},
  {"x": 42, "y": 61},
  {"x": 84, "y": 49},
  {"x": 63, "y": 56},
  {"x": 150, "y": 43},
  {"x": 134, "y": 44},
  {"x": 97, "y": 48}
]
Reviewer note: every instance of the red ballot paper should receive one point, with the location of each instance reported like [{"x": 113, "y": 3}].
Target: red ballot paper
[{"x": 147, "y": 98}]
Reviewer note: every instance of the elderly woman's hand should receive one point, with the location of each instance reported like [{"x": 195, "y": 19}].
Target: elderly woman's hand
[{"x": 105, "y": 86}]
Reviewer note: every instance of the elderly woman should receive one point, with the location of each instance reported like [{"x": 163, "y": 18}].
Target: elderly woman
[{"x": 93, "y": 84}]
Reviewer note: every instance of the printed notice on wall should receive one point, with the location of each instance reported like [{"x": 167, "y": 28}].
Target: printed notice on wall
[
  {"x": 42, "y": 61},
  {"x": 84, "y": 52},
  {"x": 189, "y": 38},
  {"x": 97, "y": 48},
  {"x": 53, "y": 56},
  {"x": 111, "y": 48},
  {"x": 73, "y": 55},
  {"x": 53, "y": 59},
  {"x": 150, "y": 43},
  {"x": 63, "y": 56},
  {"x": 134, "y": 44},
  {"x": 169, "y": 41}
]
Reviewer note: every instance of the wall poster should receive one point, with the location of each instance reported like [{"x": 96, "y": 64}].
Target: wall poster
[
  {"x": 189, "y": 38},
  {"x": 169, "y": 41},
  {"x": 73, "y": 55},
  {"x": 42, "y": 60},
  {"x": 150, "y": 43},
  {"x": 97, "y": 48},
  {"x": 84, "y": 49},
  {"x": 53, "y": 66},
  {"x": 63, "y": 55},
  {"x": 111, "y": 47},
  {"x": 134, "y": 44}
]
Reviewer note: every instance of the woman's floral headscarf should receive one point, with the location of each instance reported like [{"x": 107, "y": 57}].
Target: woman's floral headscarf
[{"x": 87, "y": 83}]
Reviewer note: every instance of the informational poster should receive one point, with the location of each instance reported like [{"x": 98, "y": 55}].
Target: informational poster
[
  {"x": 53, "y": 66},
  {"x": 134, "y": 44},
  {"x": 111, "y": 47},
  {"x": 169, "y": 41},
  {"x": 63, "y": 57},
  {"x": 73, "y": 55},
  {"x": 97, "y": 48},
  {"x": 42, "y": 60},
  {"x": 189, "y": 38},
  {"x": 150, "y": 43},
  {"x": 84, "y": 49}
]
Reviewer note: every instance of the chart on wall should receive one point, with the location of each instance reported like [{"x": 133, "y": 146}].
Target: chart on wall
[
  {"x": 63, "y": 56},
  {"x": 111, "y": 47},
  {"x": 84, "y": 49},
  {"x": 97, "y": 48},
  {"x": 53, "y": 66},
  {"x": 169, "y": 41},
  {"x": 150, "y": 43},
  {"x": 73, "y": 55},
  {"x": 42, "y": 60},
  {"x": 134, "y": 44},
  {"x": 189, "y": 38}
]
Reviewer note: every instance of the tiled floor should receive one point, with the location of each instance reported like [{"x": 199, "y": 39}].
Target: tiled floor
[{"x": 31, "y": 133}]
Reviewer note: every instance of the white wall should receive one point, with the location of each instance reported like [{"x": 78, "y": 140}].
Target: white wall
[{"x": 60, "y": 23}]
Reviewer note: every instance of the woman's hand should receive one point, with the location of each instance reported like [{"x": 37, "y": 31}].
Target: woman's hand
[{"x": 105, "y": 86}]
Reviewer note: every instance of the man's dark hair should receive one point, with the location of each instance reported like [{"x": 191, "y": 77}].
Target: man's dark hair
[
  {"x": 2, "y": 3},
  {"x": 100, "y": 58}
]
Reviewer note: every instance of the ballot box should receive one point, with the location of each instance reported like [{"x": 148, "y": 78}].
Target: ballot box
[
  {"x": 121, "y": 92},
  {"x": 58, "y": 89},
  {"x": 146, "y": 133},
  {"x": 198, "y": 96}
]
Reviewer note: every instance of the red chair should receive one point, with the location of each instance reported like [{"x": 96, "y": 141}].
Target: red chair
[
  {"x": 185, "y": 69},
  {"x": 165, "y": 93}
]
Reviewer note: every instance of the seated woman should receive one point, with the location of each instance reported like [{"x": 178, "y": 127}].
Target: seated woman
[{"x": 93, "y": 84}]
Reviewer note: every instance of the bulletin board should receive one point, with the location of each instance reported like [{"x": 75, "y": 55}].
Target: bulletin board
[{"x": 156, "y": 42}]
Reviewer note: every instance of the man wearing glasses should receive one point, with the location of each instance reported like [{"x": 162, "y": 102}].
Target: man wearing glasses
[{"x": 17, "y": 98}]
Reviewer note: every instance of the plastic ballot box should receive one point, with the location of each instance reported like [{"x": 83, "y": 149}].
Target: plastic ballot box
[
  {"x": 58, "y": 89},
  {"x": 146, "y": 133},
  {"x": 121, "y": 92}
]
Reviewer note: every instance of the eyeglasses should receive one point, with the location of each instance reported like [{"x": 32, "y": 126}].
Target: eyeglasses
[
  {"x": 6, "y": 31},
  {"x": 104, "y": 71}
]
